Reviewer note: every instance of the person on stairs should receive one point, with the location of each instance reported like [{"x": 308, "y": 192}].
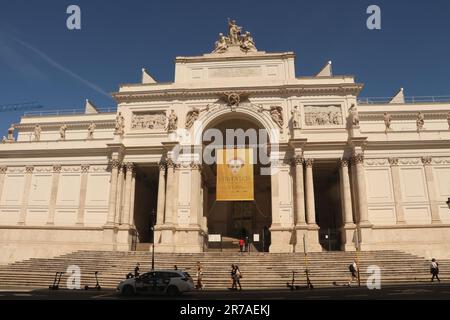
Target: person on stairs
[
  {"x": 353, "y": 268},
  {"x": 434, "y": 270}
]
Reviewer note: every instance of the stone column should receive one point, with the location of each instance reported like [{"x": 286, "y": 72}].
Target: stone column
[
  {"x": 358, "y": 160},
  {"x": 113, "y": 192},
  {"x": 395, "y": 172},
  {"x": 435, "y": 216},
  {"x": 2, "y": 179},
  {"x": 161, "y": 193},
  {"x": 309, "y": 190},
  {"x": 195, "y": 194},
  {"x": 346, "y": 193},
  {"x": 26, "y": 195},
  {"x": 133, "y": 194},
  {"x": 300, "y": 218},
  {"x": 119, "y": 196},
  {"x": 126, "y": 206},
  {"x": 54, "y": 194},
  {"x": 83, "y": 191},
  {"x": 168, "y": 218}
]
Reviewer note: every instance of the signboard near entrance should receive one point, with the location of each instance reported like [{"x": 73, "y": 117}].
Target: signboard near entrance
[
  {"x": 214, "y": 238},
  {"x": 235, "y": 175}
]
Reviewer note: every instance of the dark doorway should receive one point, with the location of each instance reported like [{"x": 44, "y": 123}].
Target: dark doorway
[{"x": 328, "y": 205}]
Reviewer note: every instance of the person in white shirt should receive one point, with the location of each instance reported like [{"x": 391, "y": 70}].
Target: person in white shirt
[{"x": 434, "y": 270}]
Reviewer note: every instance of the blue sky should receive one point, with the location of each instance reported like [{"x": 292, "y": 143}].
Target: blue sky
[{"x": 41, "y": 60}]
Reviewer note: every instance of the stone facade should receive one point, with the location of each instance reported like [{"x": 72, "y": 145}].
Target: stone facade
[{"x": 89, "y": 190}]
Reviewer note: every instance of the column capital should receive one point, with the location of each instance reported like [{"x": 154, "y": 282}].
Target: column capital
[
  {"x": 85, "y": 168},
  {"x": 297, "y": 160},
  {"x": 57, "y": 168},
  {"x": 3, "y": 169},
  {"x": 393, "y": 161},
  {"x": 426, "y": 161},
  {"x": 129, "y": 166},
  {"x": 358, "y": 158},
  {"x": 29, "y": 169},
  {"x": 308, "y": 162},
  {"x": 170, "y": 163},
  {"x": 195, "y": 165},
  {"x": 115, "y": 163},
  {"x": 343, "y": 162},
  {"x": 162, "y": 165}
]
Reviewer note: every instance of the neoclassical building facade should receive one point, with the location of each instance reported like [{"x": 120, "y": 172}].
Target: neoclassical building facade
[{"x": 343, "y": 171}]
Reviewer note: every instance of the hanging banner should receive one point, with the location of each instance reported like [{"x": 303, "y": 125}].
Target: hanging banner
[{"x": 234, "y": 175}]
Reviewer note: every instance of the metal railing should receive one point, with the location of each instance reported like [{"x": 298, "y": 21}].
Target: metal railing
[
  {"x": 65, "y": 112},
  {"x": 412, "y": 99}
]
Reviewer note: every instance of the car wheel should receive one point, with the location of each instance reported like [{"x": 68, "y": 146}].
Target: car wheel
[
  {"x": 127, "y": 291},
  {"x": 173, "y": 291}
]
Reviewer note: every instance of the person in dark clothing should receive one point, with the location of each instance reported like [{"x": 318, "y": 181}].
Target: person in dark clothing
[
  {"x": 434, "y": 270},
  {"x": 232, "y": 273},
  {"x": 136, "y": 270},
  {"x": 237, "y": 278}
]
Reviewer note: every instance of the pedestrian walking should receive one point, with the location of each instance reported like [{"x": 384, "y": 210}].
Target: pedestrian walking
[
  {"x": 241, "y": 244},
  {"x": 434, "y": 270},
  {"x": 232, "y": 273},
  {"x": 199, "y": 285},
  {"x": 353, "y": 268},
  {"x": 237, "y": 278}
]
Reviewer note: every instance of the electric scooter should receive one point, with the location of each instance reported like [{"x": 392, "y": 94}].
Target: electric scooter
[
  {"x": 97, "y": 285},
  {"x": 55, "y": 285},
  {"x": 291, "y": 285}
]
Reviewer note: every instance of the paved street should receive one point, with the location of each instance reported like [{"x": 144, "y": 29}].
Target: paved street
[{"x": 429, "y": 291}]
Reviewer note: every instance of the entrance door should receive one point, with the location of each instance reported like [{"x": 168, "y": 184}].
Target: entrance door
[{"x": 242, "y": 219}]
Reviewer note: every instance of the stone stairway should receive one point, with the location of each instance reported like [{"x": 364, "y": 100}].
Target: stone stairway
[{"x": 260, "y": 270}]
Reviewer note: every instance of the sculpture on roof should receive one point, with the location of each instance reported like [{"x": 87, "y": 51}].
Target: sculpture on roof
[
  {"x": 236, "y": 38},
  {"x": 37, "y": 133},
  {"x": 420, "y": 121},
  {"x": 62, "y": 131}
]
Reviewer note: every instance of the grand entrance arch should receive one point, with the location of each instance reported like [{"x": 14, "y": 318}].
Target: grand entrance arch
[{"x": 239, "y": 219}]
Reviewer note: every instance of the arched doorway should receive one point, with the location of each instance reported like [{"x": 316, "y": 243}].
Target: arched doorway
[{"x": 236, "y": 220}]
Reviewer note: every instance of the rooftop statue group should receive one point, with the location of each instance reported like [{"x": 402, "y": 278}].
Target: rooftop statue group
[{"x": 235, "y": 38}]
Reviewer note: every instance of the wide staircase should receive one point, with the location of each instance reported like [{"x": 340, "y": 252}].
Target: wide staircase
[{"x": 260, "y": 270}]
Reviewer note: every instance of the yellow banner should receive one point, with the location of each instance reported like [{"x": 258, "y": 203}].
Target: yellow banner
[{"x": 234, "y": 175}]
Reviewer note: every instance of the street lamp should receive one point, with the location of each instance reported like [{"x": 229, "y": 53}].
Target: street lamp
[
  {"x": 448, "y": 203},
  {"x": 153, "y": 241}
]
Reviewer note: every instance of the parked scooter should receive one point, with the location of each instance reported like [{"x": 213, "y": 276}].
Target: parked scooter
[
  {"x": 55, "y": 285},
  {"x": 97, "y": 285}
]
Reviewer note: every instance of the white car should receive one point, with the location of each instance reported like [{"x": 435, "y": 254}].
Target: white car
[{"x": 170, "y": 282}]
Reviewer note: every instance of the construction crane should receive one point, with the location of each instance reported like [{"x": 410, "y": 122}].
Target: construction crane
[{"x": 19, "y": 106}]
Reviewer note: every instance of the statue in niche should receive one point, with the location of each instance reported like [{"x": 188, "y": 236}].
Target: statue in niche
[
  {"x": 120, "y": 125},
  {"x": 354, "y": 116},
  {"x": 387, "y": 121},
  {"x": 173, "y": 122},
  {"x": 296, "y": 117},
  {"x": 420, "y": 121},
  {"x": 62, "y": 131},
  {"x": 37, "y": 132},
  {"x": 91, "y": 130}
]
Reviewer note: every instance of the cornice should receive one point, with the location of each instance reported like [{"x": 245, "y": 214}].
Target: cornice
[
  {"x": 70, "y": 125},
  {"x": 294, "y": 89},
  {"x": 401, "y": 115}
]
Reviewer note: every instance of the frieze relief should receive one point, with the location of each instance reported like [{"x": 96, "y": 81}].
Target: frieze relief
[
  {"x": 71, "y": 169},
  {"x": 152, "y": 120},
  {"x": 43, "y": 169},
  {"x": 440, "y": 160},
  {"x": 410, "y": 161},
  {"x": 376, "y": 162},
  {"x": 323, "y": 115}
]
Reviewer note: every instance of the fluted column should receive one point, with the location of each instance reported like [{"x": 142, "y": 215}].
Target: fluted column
[
  {"x": 113, "y": 192},
  {"x": 346, "y": 194},
  {"x": 119, "y": 196},
  {"x": 429, "y": 176},
  {"x": 161, "y": 193},
  {"x": 395, "y": 171},
  {"x": 133, "y": 194},
  {"x": 54, "y": 194},
  {"x": 26, "y": 195},
  {"x": 358, "y": 160},
  {"x": 168, "y": 218},
  {"x": 195, "y": 194},
  {"x": 3, "y": 170},
  {"x": 126, "y": 206},
  {"x": 300, "y": 217},
  {"x": 83, "y": 191},
  {"x": 309, "y": 190}
]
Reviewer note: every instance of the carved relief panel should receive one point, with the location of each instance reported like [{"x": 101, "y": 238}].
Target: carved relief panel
[
  {"x": 323, "y": 115},
  {"x": 149, "y": 120}
]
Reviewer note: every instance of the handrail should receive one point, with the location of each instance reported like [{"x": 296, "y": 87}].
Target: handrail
[{"x": 62, "y": 112}]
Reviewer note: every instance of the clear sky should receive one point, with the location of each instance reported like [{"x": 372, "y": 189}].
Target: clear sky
[{"x": 41, "y": 60}]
